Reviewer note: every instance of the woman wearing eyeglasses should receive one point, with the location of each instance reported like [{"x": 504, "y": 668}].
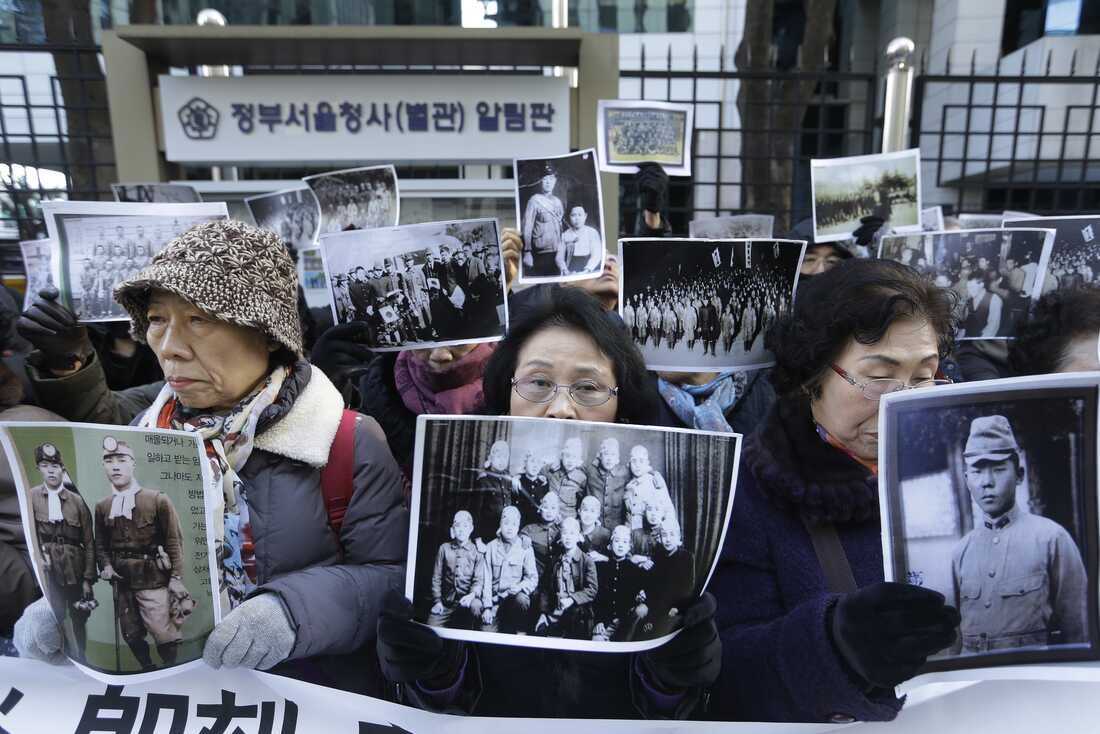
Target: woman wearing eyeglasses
[
  {"x": 567, "y": 359},
  {"x": 810, "y": 632}
]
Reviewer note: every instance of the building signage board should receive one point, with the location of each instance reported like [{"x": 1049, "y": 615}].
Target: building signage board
[{"x": 341, "y": 118}]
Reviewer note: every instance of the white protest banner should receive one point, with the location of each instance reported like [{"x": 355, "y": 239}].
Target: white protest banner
[
  {"x": 36, "y": 697},
  {"x": 362, "y": 118}
]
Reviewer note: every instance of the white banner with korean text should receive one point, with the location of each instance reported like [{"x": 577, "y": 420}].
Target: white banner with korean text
[
  {"x": 341, "y": 118},
  {"x": 36, "y": 697}
]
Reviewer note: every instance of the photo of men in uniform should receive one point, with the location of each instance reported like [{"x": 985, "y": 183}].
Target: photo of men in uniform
[
  {"x": 705, "y": 305},
  {"x": 559, "y": 207},
  {"x": 990, "y": 499},
  {"x": 613, "y": 554},
  {"x": 996, "y": 274},
  {"x": 419, "y": 284},
  {"x": 642, "y": 131},
  {"x": 37, "y": 262},
  {"x": 850, "y": 192},
  {"x": 293, "y": 214},
  {"x": 63, "y": 524},
  {"x": 116, "y": 528},
  {"x": 357, "y": 198},
  {"x": 736, "y": 227},
  {"x": 100, "y": 244}
]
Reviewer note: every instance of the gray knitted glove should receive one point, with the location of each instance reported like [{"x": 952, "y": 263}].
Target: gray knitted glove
[
  {"x": 38, "y": 635},
  {"x": 257, "y": 634}
]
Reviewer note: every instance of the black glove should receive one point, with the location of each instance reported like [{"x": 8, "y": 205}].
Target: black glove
[
  {"x": 341, "y": 348},
  {"x": 868, "y": 226},
  {"x": 886, "y": 631},
  {"x": 53, "y": 330},
  {"x": 410, "y": 652},
  {"x": 653, "y": 186},
  {"x": 692, "y": 658}
]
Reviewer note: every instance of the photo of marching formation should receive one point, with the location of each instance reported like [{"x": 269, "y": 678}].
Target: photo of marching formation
[
  {"x": 101, "y": 244},
  {"x": 564, "y": 534},
  {"x": 115, "y": 520},
  {"x": 559, "y": 208},
  {"x": 847, "y": 191},
  {"x": 736, "y": 227},
  {"x": 988, "y": 496},
  {"x": 641, "y": 131},
  {"x": 419, "y": 285},
  {"x": 38, "y": 264},
  {"x": 357, "y": 198},
  {"x": 1075, "y": 255},
  {"x": 293, "y": 214},
  {"x": 705, "y": 305},
  {"x": 996, "y": 274},
  {"x": 156, "y": 193}
]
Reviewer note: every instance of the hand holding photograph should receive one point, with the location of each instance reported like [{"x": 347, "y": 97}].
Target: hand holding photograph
[{"x": 882, "y": 189}]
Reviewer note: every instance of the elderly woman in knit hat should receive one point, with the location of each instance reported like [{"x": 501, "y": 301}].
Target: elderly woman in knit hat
[{"x": 218, "y": 308}]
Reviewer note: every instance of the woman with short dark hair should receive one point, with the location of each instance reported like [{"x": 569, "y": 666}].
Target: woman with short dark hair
[
  {"x": 1061, "y": 335},
  {"x": 809, "y": 630},
  {"x": 567, "y": 359}
]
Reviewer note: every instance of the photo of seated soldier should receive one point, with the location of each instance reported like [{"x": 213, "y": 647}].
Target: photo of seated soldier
[
  {"x": 458, "y": 578},
  {"x": 512, "y": 578},
  {"x": 575, "y": 587},
  {"x": 621, "y": 598}
]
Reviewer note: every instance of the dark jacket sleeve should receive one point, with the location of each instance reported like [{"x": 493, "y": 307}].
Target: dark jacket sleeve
[
  {"x": 778, "y": 663},
  {"x": 378, "y": 398},
  {"x": 84, "y": 397},
  {"x": 17, "y": 586},
  {"x": 335, "y": 608}
]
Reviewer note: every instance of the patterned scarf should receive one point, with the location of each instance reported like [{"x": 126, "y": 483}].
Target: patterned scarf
[
  {"x": 229, "y": 440},
  {"x": 704, "y": 406},
  {"x": 454, "y": 390}
]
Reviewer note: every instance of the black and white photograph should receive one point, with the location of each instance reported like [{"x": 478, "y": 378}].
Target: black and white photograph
[
  {"x": 311, "y": 275},
  {"x": 733, "y": 227},
  {"x": 156, "y": 193},
  {"x": 559, "y": 208},
  {"x": 996, "y": 273},
  {"x": 100, "y": 244},
  {"x": 357, "y": 198},
  {"x": 1075, "y": 256},
  {"x": 988, "y": 496},
  {"x": 848, "y": 191},
  {"x": 981, "y": 220},
  {"x": 115, "y": 520},
  {"x": 931, "y": 219},
  {"x": 643, "y": 131},
  {"x": 704, "y": 305},
  {"x": 564, "y": 534},
  {"x": 293, "y": 214},
  {"x": 419, "y": 285},
  {"x": 38, "y": 265}
]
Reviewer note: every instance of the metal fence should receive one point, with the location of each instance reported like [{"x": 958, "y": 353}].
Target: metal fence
[{"x": 1016, "y": 137}]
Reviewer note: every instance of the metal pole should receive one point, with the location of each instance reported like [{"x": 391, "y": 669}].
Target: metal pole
[
  {"x": 899, "y": 94},
  {"x": 210, "y": 16}
]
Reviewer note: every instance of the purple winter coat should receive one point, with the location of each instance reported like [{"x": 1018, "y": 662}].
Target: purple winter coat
[{"x": 778, "y": 663}]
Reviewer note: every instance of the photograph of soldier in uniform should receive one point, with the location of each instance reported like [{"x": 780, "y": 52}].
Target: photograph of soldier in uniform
[
  {"x": 155, "y": 193},
  {"x": 419, "y": 285},
  {"x": 996, "y": 274},
  {"x": 853, "y": 191},
  {"x": 1075, "y": 255},
  {"x": 641, "y": 131},
  {"x": 497, "y": 556},
  {"x": 733, "y": 227},
  {"x": 357, "y": 198},
  {"x": 705, "y": 305},
  {"x": 37, "y": 262},
  {"x": 989, "y": 497},
  {"x": 293, "y": 214},
  {"x": 559, "y": 208},
  {"x": 100, "y": 244},
  {"x": 116, "y": 521}
]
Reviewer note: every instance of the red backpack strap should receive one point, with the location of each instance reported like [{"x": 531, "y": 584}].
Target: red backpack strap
[{"x": 338, "y": 475}]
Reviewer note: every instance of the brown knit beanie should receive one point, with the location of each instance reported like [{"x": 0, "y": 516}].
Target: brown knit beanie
[{"x": 233, "y": 271}]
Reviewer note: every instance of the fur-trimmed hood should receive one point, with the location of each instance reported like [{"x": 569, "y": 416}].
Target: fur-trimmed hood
[
  {"x": 306, "y": 431},
  {"x": 801, "y": 473}
]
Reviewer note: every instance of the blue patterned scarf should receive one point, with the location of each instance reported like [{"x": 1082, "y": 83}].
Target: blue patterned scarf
[{"x": 704, "y": 406}]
